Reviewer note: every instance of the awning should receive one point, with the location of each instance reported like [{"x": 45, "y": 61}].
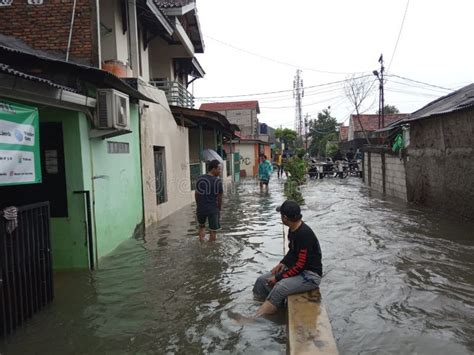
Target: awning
[{"x": 192, "y": 118}]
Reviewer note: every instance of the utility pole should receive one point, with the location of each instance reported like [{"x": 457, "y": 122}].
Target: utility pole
[
  {"x": 298, "y": 94},
  {"x": 306, "y": 132},
  {"x": 381, "y": 94}
]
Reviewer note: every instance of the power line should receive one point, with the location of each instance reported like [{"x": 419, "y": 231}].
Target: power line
[
  {"x": 276, "y": 60},
  {"x": 279, "y": 91},
  {"x": 420, "y": 82},
  {"x": 304, "y": 105},
  {"x": 436, "y": 90},
  {"x": 398, "y": 38}
]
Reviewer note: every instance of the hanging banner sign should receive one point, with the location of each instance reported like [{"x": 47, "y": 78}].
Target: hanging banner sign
[{"x": 19, "y": 144}]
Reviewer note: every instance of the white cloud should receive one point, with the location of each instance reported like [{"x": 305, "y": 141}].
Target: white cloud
[{"x": 344, "y": 36}]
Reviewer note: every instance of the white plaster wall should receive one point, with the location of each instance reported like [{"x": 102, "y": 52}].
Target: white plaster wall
[
  {"x": 114, "y": 45},
  {"x": 158, "y": 128},
  {"x": 162, "y": 54},
  {"x": 108, "y": 49},
  {"x": 144, "y": 54},
  {"x": 246, "y": 151},
  {"x": 350, "y": 134}
]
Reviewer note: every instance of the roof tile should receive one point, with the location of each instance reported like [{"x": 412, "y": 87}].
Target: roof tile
[
  {"x": 235, "y": 105},
  {"x": 370, "y": 122}
]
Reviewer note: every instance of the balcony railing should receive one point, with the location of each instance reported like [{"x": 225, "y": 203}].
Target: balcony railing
[{"x": 176, "y": 93}]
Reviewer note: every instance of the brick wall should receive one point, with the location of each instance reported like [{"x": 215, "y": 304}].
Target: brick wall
[
  {"x": 47, "y": 26},
  {"x": 440, "y": 169},
  {"x": 385, "y": 169}
]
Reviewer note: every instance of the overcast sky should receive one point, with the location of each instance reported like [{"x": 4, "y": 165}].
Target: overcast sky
[{"x": 255, "y": 46}]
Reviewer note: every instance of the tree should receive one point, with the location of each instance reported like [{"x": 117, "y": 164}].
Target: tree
[
  {"x": 286, "y": 135},
  {"x": 389, "y": 109},
  {"x": 322, "y": 130},
  {"x": 357, "y": 90}
]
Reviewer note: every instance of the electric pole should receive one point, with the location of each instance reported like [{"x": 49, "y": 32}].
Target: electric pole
[
  {"x": 298, "y": 94},
  {"x": 381, "y": 94},
  {"x": 306, "y": 132}
]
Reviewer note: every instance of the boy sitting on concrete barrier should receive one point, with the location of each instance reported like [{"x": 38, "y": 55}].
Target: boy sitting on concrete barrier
[{"x": 301, "y": 268}]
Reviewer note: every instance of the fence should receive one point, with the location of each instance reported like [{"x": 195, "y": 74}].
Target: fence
[{"x": 26, "y": 279}]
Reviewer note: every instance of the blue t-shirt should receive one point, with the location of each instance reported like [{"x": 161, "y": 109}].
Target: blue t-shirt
[{"x": 208, "y": 187}]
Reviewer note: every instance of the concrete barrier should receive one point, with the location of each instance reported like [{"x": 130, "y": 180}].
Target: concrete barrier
[{"x": 309, "y": 329}]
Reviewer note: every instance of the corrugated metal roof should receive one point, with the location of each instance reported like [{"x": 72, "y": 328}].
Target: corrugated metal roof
[
  {"x": 172, "y": 3},
  {"x": 7, "y": 69},
  {"x": 457, "y": 100},
  {"x": 14, "y": 53}
]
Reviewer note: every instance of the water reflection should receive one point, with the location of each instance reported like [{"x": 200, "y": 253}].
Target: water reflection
[{"x": 398, "y": 279}]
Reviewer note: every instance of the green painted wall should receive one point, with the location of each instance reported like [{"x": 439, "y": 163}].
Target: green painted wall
[
  {"x": 68, "y": 234},
  {"x": 117, "y": 188}
]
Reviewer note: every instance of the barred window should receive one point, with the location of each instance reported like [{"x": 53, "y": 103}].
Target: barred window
[{"x": 118, "y": 148}]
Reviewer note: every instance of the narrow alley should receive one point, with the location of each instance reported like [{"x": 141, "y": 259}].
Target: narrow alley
[{"x": 397, "y": 279}]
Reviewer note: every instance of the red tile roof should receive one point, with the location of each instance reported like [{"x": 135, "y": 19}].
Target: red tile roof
[
  {"x": 344, "y": 133},
  {"x": 371, "y": 122},
  {"x": 235, "y": 105}
]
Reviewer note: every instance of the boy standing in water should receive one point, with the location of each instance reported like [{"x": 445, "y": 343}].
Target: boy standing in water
[
  {"x": 264, "y": 170},
  {"x": 208, "y": 197}
]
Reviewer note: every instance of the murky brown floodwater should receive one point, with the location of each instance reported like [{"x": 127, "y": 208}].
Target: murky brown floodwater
[{"x": 398, "y": 280}]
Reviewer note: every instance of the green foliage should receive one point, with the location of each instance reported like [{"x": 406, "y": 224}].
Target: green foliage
[
  {"x": 300, "y": 152},
  {"x": 321, "y": 131},
  {"x": 331, "y": 150},
  {"x": 296, "y": 168},
  {"x": 389, "y": 109},
  {"x": 292, "y": 192},
  {"x": 288, "y": 136}
]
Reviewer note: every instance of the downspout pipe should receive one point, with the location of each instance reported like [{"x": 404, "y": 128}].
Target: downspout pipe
[{"x": 70, "y": 30}]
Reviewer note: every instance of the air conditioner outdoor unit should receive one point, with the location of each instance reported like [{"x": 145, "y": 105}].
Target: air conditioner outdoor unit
[{"x": 113, "y": 110}]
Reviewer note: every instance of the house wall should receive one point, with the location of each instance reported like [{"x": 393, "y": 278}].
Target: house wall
[
  {"x": 158, "y": 128},
  {"x": 247, "y": 158},
  {"x": 350, "y": 133},
  {"x": 161, "y": 66},
  {"x": 384, "y": 169},
  {"x": 440, "y": 168},
  {"x": 145, "y": 59},
  {"x": 208, "y": 142},
  {"x": 194, "y": 145},
  {"x": 47, "y": 26},
  {"x": 114, "y": 45},
  {"x": 117, "y": 188},
  {"x": 245, "y": 119},
  {"x": 68, "y": 233}
]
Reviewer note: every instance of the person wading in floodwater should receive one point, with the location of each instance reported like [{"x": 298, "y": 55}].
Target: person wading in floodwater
[
  {"x": 264, "y": 170},
  {"x": 301, "y": 268},
  {"x": 208, "y": 195}
]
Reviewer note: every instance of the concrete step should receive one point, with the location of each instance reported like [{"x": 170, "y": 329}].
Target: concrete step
[{"x": 309, "y": 328}]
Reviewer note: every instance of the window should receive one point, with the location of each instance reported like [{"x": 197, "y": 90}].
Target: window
[
  {"x": 160, "y": 174},
  {"x": 118, "y": 148}
]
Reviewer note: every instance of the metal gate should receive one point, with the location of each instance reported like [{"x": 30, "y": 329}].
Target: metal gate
[{"x": 26, "y": 278}]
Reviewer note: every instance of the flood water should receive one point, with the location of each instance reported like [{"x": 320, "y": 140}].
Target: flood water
[{"x": 397, "y": 280}]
